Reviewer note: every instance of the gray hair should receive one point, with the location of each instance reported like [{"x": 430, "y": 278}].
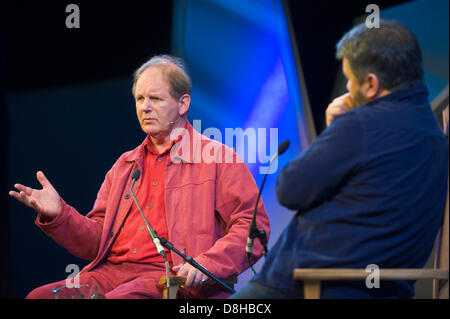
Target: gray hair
[
  {"x": 174, "y": 71},
  {"x": 391, "y": 52}
]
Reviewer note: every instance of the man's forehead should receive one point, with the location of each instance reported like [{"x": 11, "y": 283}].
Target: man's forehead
[{"x": 151, "y": 78}]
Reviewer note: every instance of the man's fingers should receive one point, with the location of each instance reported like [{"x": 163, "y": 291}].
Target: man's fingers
[
  {"x": 180, "y": 270},
  {"x": 25, "y": 199},
  {"x": 188, "y": 271},
  {"x": 344, "y": 101},
  {"x": 43, "y": 180},
  {"x": 27, "y": 190},
  {"x": 337, "y": 111},
  {"x": 198, "y": 278},
  {"x": 338, "y": 106},
  {"x": 190, "y": 279},
  {"x": 21, "y": 197},
  {"x": 194, "y": 278},
  {"x": 332, "y": 112},
  {"x": 16, "y": 195},
  {"x": 349, "y": 102},
  {"x": 193, "y": 275}
]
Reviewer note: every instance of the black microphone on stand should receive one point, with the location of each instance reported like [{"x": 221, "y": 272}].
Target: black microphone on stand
[
  {"x": 254, "y": 232},
  {"x": 134, "y": 177}
]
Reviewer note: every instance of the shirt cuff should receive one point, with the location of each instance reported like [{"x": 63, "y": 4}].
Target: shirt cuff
[{"x": 46, "y": 222}]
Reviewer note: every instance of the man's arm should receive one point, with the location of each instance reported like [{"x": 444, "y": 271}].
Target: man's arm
[
  {"x": 319, "y": 172},
  {"x": 79, "y": 234}
]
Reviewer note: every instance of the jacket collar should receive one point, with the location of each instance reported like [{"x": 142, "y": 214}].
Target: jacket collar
[
  {"x": 185, "y": 151},
  {"x": 419, "y": 92}
]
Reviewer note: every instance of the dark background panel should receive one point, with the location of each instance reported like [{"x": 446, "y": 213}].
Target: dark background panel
[
  {"x": 318, "y": 26},
  {"x": 114, "y": 37},
  {"x": 5, "y": 274},
  {"x": 66, "y": 108}
]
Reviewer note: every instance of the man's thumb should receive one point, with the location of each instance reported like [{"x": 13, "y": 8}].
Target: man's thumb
[
  {"x": 177, "y": 267},
  {"x": 43, "y": 180}
]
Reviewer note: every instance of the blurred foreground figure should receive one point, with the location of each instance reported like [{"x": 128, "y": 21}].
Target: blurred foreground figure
[{"x": 371, "y": 188}]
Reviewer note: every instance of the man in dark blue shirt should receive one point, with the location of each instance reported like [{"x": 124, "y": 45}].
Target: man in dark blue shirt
[{"x": 371, "y": 188}]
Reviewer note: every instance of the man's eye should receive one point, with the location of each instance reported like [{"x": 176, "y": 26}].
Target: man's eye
[{"x": 140, "y": 99}]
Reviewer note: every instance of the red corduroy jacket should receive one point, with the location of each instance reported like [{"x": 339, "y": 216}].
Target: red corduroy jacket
[{"x": 209, "y": 205}]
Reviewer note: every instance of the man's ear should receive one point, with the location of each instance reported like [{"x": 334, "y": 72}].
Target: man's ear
[
  {"x": 184, "y": 102},
  {"x": 371, "y": 87}
]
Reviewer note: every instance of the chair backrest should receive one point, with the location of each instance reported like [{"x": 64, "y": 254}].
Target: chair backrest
[{"x": 440, "y": 287}]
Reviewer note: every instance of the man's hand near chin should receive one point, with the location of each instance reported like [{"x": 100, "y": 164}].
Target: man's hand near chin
[{"x": 338, "y": 106}]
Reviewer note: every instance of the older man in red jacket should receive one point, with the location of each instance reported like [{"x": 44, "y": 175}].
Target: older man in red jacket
[{"x": 202, "y": 206}]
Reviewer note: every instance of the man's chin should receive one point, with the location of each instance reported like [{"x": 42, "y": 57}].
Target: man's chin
[
  {"x": 152, "y": 130},
  {"x": 149, "y": 130}
]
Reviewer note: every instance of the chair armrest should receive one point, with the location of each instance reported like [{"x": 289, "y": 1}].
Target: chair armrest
[
  {"x": 319, "y": 274},
  {"x": 178, "y": 282},
  {"x": 174, "y": 280}
]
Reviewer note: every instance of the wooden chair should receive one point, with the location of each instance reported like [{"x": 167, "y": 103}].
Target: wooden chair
[
  {"x": 177, "y": 282},
  {"x": 313, "y": 277}
]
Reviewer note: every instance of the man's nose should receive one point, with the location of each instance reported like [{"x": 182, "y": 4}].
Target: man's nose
[{"x": 146, "y": 106}]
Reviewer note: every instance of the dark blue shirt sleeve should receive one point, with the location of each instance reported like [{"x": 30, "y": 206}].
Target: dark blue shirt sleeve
[{"x": 322, "y": 168}]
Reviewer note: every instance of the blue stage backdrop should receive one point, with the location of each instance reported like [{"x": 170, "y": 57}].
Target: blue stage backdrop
[
  {"x": 428, "y": 20},
  {"x": 246, "y": 76}
]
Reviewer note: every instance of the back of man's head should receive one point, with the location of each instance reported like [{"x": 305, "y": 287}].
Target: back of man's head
[{"x": 390, "y": 51}]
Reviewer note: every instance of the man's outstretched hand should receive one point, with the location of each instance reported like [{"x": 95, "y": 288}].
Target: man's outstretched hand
[{"x": 45, "y": 201}]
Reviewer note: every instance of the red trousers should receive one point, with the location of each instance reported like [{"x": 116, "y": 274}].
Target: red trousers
[{"x": 116, "y": 281}]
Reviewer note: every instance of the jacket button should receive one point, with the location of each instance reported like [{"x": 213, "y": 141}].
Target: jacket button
[
  {"x": 127, "y": 196},
  {"x": 111, "y": 234}
]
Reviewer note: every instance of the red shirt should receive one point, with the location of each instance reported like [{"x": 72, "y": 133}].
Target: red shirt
[{"x": 133, "y": 243}]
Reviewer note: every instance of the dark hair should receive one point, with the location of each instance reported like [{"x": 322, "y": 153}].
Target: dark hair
[{"x": 390, "y": 51}]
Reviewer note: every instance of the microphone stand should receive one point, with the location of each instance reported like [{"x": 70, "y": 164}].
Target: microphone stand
[
  {"x": 254, "y": 231},
  {"x": 135, "y": 176},
  {"x": 192, "y": 262}
]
